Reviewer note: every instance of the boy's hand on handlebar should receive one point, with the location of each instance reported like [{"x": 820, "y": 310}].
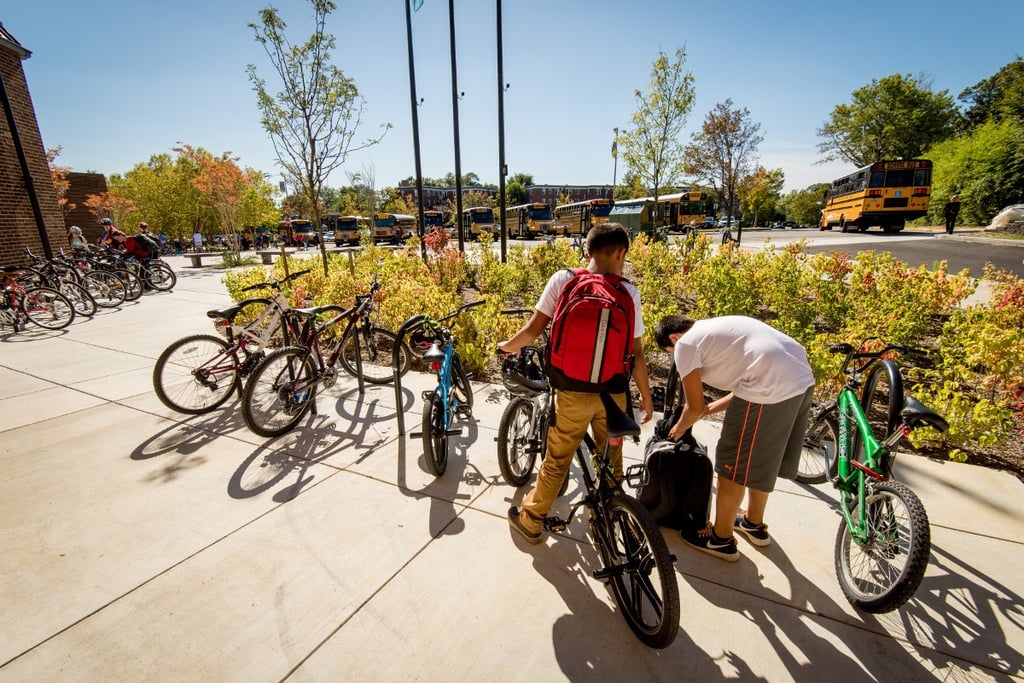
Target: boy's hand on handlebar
[{"x": 505, "y": 350}]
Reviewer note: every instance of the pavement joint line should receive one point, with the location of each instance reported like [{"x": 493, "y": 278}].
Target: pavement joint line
[{"x": 161, "y": 573}]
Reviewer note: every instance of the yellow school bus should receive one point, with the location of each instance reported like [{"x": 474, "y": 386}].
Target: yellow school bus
[
  {"x": 529, "y": 221},
  {"x": 478, "y": 219},
  {"x": 885, "y": 193},
  {"x": 346, "y": 229},
  {"x": 387, "y": 225},
  {"x": 579, "y": 217}
]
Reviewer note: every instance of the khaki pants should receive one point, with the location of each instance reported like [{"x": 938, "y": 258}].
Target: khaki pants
[{"x": 574, "y": 413}]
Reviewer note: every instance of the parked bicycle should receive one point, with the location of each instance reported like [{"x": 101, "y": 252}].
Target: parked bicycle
[
  {"x": 45, "y": 273},
  {"x": 283, "y": 386},
  {"x": 884, "y": 539},
  {"x": 43, "y": 306},
  {"x": 635, "y": 558},
  {"x": 453, "y": 394},
  {"x": 198, "y": 373},
  {"x": 106, "y": 289}
]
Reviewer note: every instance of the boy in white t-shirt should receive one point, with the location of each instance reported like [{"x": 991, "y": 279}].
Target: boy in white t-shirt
[
  {"x": 770, "y": 387},
  {"x": 576, "y": 411}
]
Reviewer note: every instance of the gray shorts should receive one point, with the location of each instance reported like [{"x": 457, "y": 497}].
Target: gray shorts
[{"x": 761, "y": 442}]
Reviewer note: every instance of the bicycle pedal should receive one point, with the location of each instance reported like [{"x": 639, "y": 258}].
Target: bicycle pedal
[
  {"x": 454, "y": 432},
  {"x": 554, "y": 524}
]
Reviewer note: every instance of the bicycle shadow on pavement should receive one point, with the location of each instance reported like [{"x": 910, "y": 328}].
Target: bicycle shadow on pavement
[
  {"x": 791, "y": 623},
  {"x": 962, "y": 613},
  {"x": 184, "y": 440},
  {"x": 443, "y": 518}
]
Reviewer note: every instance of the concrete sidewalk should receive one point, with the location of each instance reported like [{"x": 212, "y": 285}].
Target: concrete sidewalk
[{"x": 141, "y": 544}]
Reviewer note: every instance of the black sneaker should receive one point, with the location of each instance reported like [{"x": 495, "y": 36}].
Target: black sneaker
[
  {"x": 532, "y": 537},
  {"x": 757, "y": 534},
  {"x": 706, "y": 541}
]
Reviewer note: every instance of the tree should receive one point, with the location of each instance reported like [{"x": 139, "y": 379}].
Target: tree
[
  {"x": 998, "y": 97},
  {"x": 313, "y": 120},
  {"x": 224, "y": 185},
  {"x": 61, "y": 184},
  {"x": 109, "y": 205},
  {"x": 515, "y": 189},
  {"x": 760, "y": 191},
  {"x": 631, "y": 188},
  {"x": 164, "y": 196},
  {"x": 257, "y": 206},
  {"x": 897, "y": 117},
  {"x": 724, "y": 151},
  {"x": 652, "y": 150},
  {"x": 804, "y": 206}
]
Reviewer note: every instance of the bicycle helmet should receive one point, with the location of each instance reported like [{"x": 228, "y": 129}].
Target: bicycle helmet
[
  {"x": 106, "y": 221},
  {"x": 524, "y": 375}
]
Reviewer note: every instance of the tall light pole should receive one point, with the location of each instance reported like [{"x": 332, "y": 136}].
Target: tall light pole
[
  {"x": 415, "y": 125},
  {"x": 455, "y": 124},
  {"x": 502, "y": 169},
  {"x": 615, "y": 166}
]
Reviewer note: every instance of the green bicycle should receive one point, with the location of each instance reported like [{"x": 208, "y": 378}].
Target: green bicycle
[{"x": 884, "y": 539}]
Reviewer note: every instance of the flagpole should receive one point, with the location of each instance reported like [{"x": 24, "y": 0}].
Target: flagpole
[
  {"x": 455, "y": 125},
  {"x": 415, "y": 126},
  {"x": 502, "y": 169},
  {"x": 615, "y": 166}
]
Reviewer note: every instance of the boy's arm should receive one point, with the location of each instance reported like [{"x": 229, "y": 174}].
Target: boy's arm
[
  {"x": 530, "y": 331},
  {"x": 642, "y": 381}
]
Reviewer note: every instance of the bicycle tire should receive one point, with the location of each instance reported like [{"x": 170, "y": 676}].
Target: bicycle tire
[
  {"x": 180, "y": 381},
  {"x": 376, "y": 355},
  {"x": 80, "y": 298},
  {"x": 640, "y": 570},
  {"x": 107, "y": 289},
  {"x": 884, "y": 378},
  {"x": 517, "y": 450},
  {"x": 47, "y": 308},
  {"x": 133, "y": 286},
  {"x": 460, "y": 384},
  {"x": 869, "y": 575},
  {"x": 279, "y": 392},
  {"x": 161, "y": 277},
  {"x": 435, "y": 438},
  {"x": 819, "y": 457}
]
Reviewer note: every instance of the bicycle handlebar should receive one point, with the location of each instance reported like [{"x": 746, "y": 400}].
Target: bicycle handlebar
[
  {"x": 275, "y": 284},
  {"x": 853, "y": 354}
]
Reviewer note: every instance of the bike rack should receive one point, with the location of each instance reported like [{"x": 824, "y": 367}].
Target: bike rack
[{"x": 400, "y": 336}]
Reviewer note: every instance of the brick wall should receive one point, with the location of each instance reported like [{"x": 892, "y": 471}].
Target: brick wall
[
  {"x": 80, "y": 186},
  {"x": 18, "y": 226}
]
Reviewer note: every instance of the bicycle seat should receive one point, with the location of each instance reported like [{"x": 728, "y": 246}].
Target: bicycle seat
[
  {"x": 231, "y": 312},
  {"x": 916, "y": 412},
  {"x": 618, "y": 423}
]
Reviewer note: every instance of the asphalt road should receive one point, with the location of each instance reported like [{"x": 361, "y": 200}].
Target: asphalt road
[{"x": 916, "y": 249}]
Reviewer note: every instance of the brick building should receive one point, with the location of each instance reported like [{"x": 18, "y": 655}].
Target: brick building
[
  {"x": 29, "y": 213},
  {"x": 436, "y": 198},
  {"x": 80, "y": 186},
  {"x": 549, "y": 194}
]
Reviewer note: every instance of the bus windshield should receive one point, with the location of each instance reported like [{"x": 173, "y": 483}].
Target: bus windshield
[
  {"x": 388, "y": 222},
  {"x": 433, "y": 219},
  {"x": 601, "y": 210},
  {"x": 347, "y": 223},
  {"x": 541, "y": 214},
  {"x": 482, "y": 216}
]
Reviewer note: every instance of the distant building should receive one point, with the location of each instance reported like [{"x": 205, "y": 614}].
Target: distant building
[
  {"x": 550, "y": 194},
  {"x": 436, "y": 198},
  {"x": 29, "y": 213}
]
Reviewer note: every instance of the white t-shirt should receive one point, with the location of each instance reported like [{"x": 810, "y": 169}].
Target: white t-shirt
[
  {"x": 555, "y": 285},
  {"x": 745, "y": 356}
]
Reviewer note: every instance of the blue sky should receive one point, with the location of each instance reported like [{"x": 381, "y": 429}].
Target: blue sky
[{"x": 115, "y": 81}]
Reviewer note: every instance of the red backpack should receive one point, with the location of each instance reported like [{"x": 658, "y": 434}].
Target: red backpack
[{"x": 591, "y": 343}]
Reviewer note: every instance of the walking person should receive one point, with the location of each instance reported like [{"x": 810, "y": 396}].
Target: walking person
[
  {"x": 950, "y": 211},
  {"x": 576, "y": 411},
  {"x": 770, "y": 385}
]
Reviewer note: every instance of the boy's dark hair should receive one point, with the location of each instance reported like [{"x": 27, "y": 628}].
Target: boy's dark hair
[
  {"x": 670, "y": 324},
  {"x": 607, "y": 235}
]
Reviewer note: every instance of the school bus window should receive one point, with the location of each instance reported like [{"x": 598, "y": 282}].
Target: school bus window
[
  {"x": 923, "y": 177},
  {"x": 877, "y": 179}
]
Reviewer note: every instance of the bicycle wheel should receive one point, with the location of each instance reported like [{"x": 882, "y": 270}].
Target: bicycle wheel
[
  {"x": 882, "y": 398},
  {"x": 132, "y": 283},
  {"x": 161, "y": 277},
  {"x": 882, "y": 573},
  {"x": 80, "y": 298},
  {"x": 461, "y": 386},
  {"x": 435, "y": 438},
  {"x": 640, "y": 569},
  {"x": 47, "y": 308},
  {"x": 106, "y": 289},
  {"x": 279, "y": 392},
  {"x": 518, "y": 445},
  {"x": 376, "y": 355},
  {"x": 196, "y": 374},
  {"x": 819, "y": 458}
]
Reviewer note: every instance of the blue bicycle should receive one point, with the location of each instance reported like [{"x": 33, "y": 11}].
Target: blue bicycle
[{"x": 453, "y": 394}]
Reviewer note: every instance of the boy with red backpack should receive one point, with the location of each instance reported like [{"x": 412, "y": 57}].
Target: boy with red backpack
[{"x": 594, "y": 347}]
